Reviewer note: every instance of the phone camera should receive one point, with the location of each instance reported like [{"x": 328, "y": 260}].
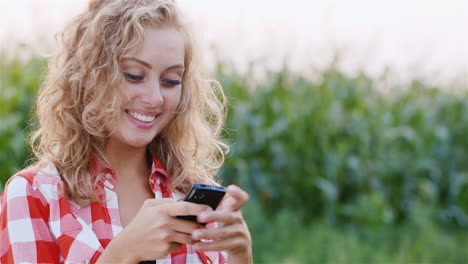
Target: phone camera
[{"x": 198, "y": 196}]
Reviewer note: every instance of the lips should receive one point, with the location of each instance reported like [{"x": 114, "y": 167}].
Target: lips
[{"x": 142, "y": 119}]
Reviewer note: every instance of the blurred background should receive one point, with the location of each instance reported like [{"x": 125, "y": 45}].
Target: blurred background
[{"x": 347, "y": 122}]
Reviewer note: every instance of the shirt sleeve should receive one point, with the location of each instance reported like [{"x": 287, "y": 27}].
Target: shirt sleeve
[{"x": 25, "y": 235}]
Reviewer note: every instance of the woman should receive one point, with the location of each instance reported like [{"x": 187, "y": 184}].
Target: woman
[{"x": 127, "y": 123}]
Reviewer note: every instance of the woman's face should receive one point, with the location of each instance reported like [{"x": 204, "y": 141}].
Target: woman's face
[{"x": 152, "y": 87}]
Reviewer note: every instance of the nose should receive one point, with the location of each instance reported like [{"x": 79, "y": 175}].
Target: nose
[{"x": 153, "y": 96}]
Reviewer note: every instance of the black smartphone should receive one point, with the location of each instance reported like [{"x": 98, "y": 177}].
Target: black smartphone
[{"x": 204, "y": 194}]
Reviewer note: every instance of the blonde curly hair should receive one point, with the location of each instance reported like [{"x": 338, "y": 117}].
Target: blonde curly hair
[{"x": 79, "y": 99}]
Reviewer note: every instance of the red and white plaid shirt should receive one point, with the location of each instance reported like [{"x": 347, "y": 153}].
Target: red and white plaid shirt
[{"x": 39, "y": 225}]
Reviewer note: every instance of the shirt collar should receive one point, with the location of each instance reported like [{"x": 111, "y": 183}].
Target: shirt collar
[
  {"x": 106, "y": 175},
  {"x": 158, "y": 174}
]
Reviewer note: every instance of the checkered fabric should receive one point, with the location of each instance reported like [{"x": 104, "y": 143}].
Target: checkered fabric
[{"x": 39, "y": 225}]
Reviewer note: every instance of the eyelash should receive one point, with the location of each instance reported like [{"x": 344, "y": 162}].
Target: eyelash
[
  {"x": 137, "y": 78},
  {"x": 171, "y": 83},
  {"x": 132, "y": 77}
]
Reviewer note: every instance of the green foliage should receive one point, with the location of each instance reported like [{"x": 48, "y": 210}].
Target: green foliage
[
  {"x": 285, "y": 239},
  {"x": 18, "y": 84},
  {"x": 338, "y": 171},
  {"x": 342, "y": 150}
]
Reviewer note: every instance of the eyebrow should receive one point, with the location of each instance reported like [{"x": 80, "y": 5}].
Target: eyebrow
[
  {"x": 147, "y": 65},
  {"x": 175, "y": 66},
  {"x": 144, "y": 63}
]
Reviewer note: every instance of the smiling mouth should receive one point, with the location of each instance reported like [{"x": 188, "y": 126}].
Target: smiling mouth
[{"x": 142, "y": 118}]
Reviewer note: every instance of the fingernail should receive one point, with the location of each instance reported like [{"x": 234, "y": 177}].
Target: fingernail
[{"x": 209, "y": 209}]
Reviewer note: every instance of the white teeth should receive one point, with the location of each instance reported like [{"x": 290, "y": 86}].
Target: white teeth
[{"x": 142, "y": 118}]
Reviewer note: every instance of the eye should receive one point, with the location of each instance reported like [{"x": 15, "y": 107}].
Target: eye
[
  {"x": 171, "y": 83},
  {"x": 133, "y": 77}
]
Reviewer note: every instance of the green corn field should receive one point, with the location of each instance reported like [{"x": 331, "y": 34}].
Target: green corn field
[{"x": 339, "y": 169}]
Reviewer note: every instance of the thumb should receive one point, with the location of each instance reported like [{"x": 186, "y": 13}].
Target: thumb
[{"x": 235, "y": 198}]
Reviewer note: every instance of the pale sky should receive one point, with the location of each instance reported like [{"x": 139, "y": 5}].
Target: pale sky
[{"x": 413, "y": 37}]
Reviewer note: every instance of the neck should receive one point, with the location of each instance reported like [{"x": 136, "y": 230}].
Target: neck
[{"x": 127, "y": 161}]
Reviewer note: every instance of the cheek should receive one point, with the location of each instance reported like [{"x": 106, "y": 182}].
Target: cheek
[
  {"x": 127, "y": 92},
  {"x": 173, "y": 99}
]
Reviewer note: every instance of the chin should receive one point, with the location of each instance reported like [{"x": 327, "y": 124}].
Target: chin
[{"x": 137, "y": 142}]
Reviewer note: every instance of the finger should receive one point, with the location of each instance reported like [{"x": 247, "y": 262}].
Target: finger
[
  {"x": 227, "y": 204},
  {"x": 182, "y": 238},
  {"x": 235, "y": 198},
  {"x": 239, "y": 195},
  {"x": 218, "y": 233},
  {"x": 157, "y": 202},
  {"x": 219, "y": 245},
  {"x": 186, "y": 208},
  {"x": 225, "y": 217},
  {"x": 184, "y": 226}
]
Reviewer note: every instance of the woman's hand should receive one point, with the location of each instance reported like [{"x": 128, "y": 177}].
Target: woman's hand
[
  {"x": 232, "y": 234},
  {"x": 154, "y": 232}
]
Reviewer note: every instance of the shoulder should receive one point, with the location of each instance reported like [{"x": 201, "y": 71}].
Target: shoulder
[{"x": 39, "y": 181}]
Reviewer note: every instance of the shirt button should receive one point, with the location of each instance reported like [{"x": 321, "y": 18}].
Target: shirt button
[
  {"x": 114, "y": 219},
  {"x": 108, "y": 176},
  {"x": 152, "y": 181}
]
